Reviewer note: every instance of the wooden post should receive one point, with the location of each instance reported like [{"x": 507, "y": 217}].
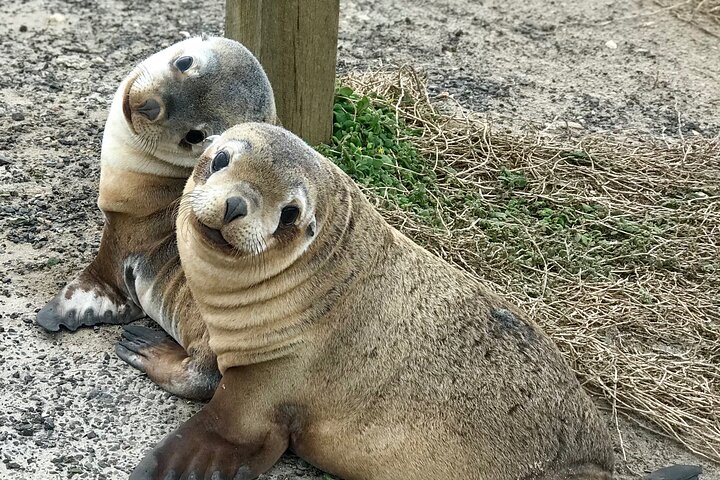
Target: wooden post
[{"x": 296, "y": 43}]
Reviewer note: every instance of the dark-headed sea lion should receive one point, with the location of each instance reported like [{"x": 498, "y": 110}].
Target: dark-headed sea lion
[{"x": 161, "y": 117}]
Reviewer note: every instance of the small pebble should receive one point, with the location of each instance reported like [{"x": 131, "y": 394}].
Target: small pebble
[
  {"x": 23, "y": 28},
  {"x": 57, "y": 18},
  {"x": 18, "y": 116}
]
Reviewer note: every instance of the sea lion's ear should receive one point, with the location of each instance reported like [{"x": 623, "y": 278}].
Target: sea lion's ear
[{"x": 210, "y": 140}]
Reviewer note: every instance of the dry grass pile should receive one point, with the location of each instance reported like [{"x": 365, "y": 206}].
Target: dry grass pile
[
  {"x": 612, "y": 244},
  {"x": 704, "y": 14}
]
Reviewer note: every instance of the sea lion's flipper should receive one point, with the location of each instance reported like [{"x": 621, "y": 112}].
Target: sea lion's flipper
[
  {"x": 86, "y": 301},
  {"x": 167, "y": 363},
  {"x": 229, "y": 439},
  {"x": 676, "y": 472}
]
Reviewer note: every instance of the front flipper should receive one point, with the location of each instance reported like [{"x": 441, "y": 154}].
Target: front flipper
[
  {"x": 167, "y": 364},
  {"x": 232, "y": 438},
  {"x": 86, "y": 301}
]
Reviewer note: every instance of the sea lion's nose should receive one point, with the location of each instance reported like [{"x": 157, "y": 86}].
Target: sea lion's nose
[
  {"x": 150, "y": 109},
  {"x": 236, "y": 208}
]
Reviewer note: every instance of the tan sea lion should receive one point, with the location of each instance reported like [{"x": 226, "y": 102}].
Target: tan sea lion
[
  {"x": 162, "y": 114},
  {"x": 340, "y": 338}
]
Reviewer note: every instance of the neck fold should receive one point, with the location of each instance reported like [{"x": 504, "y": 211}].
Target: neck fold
[{"x": 273, "y": 318}]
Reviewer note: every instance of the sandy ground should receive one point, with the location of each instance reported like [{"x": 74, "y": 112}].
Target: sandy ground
[{"x": 70, "y": 408}]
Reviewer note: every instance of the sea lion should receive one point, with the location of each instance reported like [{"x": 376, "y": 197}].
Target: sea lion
[
  {"x": 162, "y": 114},
  {"x": 342, "y": 339}
]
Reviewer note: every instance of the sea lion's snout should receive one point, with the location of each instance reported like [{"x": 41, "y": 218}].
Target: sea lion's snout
[
  {"x": 226, "y": 220},
  {"x": 223, "y": 215},
  {"x": 214, "y": 236},
  {"x": 144, "y": 107},
  {"x": 140, "y": 108},
  {"x": 236, "y": 207},
  {"x": 150, "y": 109},
  {"x": 140, "y": 103}
]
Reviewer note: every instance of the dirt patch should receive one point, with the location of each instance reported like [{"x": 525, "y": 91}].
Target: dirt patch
[
  {"x": 69, "y": 407},
  {"x": 702, "y": 14},
  {"x": 602, "y": 65}
]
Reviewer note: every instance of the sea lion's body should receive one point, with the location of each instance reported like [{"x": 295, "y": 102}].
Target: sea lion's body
[
  {"x": 161, "y": 114},
  {"x": 340, "y": 338}
]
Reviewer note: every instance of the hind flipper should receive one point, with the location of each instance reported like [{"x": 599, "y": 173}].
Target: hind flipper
[
  {"x": 676, "y": 472},
  {"x": 167, "y": 363},
  {"x": 86, "y": 301}
]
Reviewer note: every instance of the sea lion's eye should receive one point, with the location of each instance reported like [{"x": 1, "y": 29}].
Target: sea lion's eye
[
  {"x": 288, "y": 215},
  {"x": 194, "y": 137},
  {"x": 183, "y": 63},
  {"x": 220, "y": 161}
]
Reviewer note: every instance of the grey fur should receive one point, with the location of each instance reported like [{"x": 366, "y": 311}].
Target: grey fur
[{"x": 144, "y": 167}]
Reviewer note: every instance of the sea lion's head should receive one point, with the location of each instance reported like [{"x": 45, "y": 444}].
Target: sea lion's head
[
  {"x": 257, "y": 195},
  {"x": 175, "y": 99}
]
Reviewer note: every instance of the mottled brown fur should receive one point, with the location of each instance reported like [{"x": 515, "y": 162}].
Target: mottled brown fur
[{"x": 367, "y": 355}]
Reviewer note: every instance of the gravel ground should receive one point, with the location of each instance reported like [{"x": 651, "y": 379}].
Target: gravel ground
[{"x": 68, "y": 406}]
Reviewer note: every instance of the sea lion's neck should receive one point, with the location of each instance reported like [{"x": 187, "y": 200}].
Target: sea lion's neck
[
  {"x": 136, "y": 194},
  {"x": 275, "y": 317},
  {"x": 132, "y": 181}
]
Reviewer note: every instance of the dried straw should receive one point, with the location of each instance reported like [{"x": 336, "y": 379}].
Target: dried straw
[
  {"x": 636, "y": 311},
  {"x": 703, "y": 14}
]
